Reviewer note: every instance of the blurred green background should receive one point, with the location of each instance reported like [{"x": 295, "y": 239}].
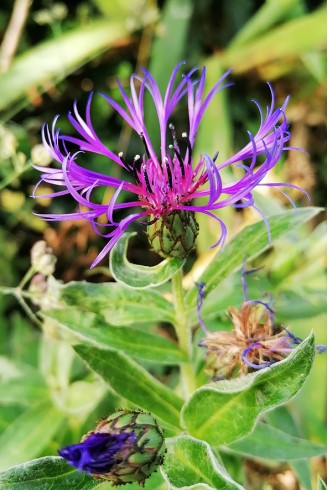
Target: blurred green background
[{"x": 52, "y": 53}]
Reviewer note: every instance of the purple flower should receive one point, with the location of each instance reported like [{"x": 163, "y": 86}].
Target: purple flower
[
  {"x": 97, "y": 453},
  {"x": 165, "y": 181}
]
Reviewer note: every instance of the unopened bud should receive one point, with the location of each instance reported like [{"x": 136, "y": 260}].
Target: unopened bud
[
  {"x": 174, "y": 235},
  {"x": 126, "y": 447},
  {"x": 42, "y": 258}
]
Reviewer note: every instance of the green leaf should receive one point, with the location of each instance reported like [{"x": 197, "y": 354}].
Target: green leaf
[
  {"x": 133, "y": 382},
  {"x": 140, "y": 276},
  {"x": 44, "y": 474},
  {"x": 270, "y": 13},
  {"x": 53, "y": 60},
  {"x": 270, "y": 443},
  {"x": 287, "y": 40},
  {"x": 92, "y": 330},
  {"x": 321, "y": 485},
  {"x": 190, "y": 463},
  {"x": 302, "y": 471},
  {"x": 117, "y": 303},
  {"x": 167, "y": 51},
  {"x": 25, "y": 390},
  {"x": 224, "y": 411},
  {"x": 29, "y": 434},
  {"x": 250, "y": 242}
]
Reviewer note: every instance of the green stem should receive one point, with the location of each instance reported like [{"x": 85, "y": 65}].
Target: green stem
[
  {"x": 29, "y": 274},
  {"x": 182, "y": 328}
]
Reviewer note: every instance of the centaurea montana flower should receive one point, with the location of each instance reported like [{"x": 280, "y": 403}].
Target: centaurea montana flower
[{"x": 165, "y": 183}]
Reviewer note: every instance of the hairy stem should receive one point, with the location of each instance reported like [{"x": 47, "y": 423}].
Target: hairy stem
[{"x": 182, "y": 328}]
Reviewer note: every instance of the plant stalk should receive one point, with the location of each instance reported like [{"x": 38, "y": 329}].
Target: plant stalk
[{"x": 182, "y": 328}]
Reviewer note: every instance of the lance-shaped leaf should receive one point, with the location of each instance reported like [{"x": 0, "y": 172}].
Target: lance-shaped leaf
[
  {"x": 224, "y": 411},
  {"x": 140, "y": 276},
  {"x": 29, "y": 434},
  {"x": 249, "y": 243},
  {"x": 117, "y": 303},
  {"x": 51, "y": 61},
  {"x": 46, "y": 473},
  {"x": 271, "y": 443},
  {"x": 190, "y": 463},
  {"x": 133, "y": 382},
  {"x": 88, "y": 328}
]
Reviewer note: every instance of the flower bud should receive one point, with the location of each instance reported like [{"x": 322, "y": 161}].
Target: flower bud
[
  {"x": 42, "y": 258},
  {"x": 174, "y": 235},
  {"x": 125, "y": 447}
]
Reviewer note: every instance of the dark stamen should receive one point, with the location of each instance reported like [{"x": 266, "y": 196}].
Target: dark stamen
[
  {"x": 187, "y": 140},
  {"x": 149, "y": 189},
  {"x": 176, "y": 151},
  {"x": 169, "y": 173},
  {"x": 145, "y": 144},
  {"x": 127, "y": 166},
  {"x": 215, "y": 156},
  {"x": 134, "y": 168},
  {"x": 174, "y": 136},
  {"x": 148, "y": 223}
]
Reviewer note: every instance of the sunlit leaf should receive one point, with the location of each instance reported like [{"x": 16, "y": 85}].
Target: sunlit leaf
[
  {"x": 224, "y": 411},
  {"x": 287, "y": 40},
  {"x": 133, "y": 382},
  {"x": 140, "y": 276},
  {"x": 117, "y": 303},
  {"x": 90, "y": 329},
  {"x": 270, "y": 443},
  {"x": 190, "y": 463},
  {"x": 51, "y": 61},
  {"x": 249, "y": 243},
  {"x": 46, "y": 473},
  {"x": 27, "y": 436}
]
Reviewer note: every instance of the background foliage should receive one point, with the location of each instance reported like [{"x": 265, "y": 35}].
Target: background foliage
[{"x": 66, "y": 49}]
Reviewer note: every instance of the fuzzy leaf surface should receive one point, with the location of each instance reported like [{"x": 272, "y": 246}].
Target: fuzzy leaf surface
[
  {"x": 117, "y": 303},
  {"x": 190, "y": 463},
  {"x": 224, "y": 411},
  {"x": 250, "y": 242},
  {"x": 90, "y": 329},
  {"x": 271, "y": 443},
  {"x": 140, "y": 276},
  {"x": 28, "y": 434},
  {"x": 44, "y": 474},
  {"x": 133, "y": 382}
]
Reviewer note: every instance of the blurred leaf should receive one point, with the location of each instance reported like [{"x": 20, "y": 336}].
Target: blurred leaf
[
  {"x": 224, "y": 411},
  {"x": 51, "y": 61},
  {"x": 133, "y": 382},
  {"x": 167, "y": 51},
  {"x": 315, "y": 62},
  {"x": 302, "y": 470},
  {"x": 284, "y": 41},
  {"x": 46, "y": 473},
  {"x": 249, "y": 243},
  {"x": 123, "y": 9},
  {"x": 190, "y": 463},
  {"x": 321, "y": 484},
  {"x": 140, "y": 276},
  {"x": 282, "y": 419},
  {"x": 293, "y": 306},
  {"x": 90, "y": 329},
  {"x": 27, "y": 436},
  {"x": 25, "y": 390},
  {"x": 271, "y": 12},
  {"x": 267, "y": 442},
  {"x": 117, "y": 303}
]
